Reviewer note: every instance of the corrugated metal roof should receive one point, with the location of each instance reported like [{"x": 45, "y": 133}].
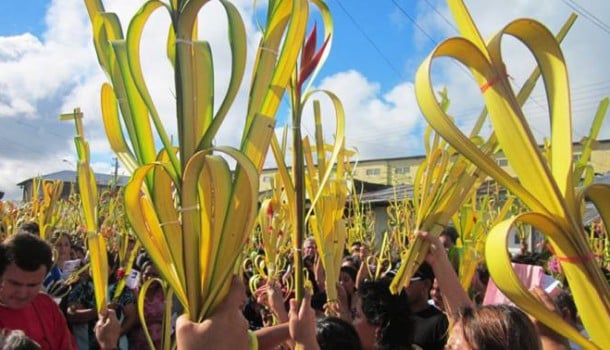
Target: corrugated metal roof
[
  {"x": 400, "y": 192},
  {"x": 70, "y": 176}
]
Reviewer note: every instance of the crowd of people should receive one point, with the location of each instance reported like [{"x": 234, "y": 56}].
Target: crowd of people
[{"x": 433, "y": 312}]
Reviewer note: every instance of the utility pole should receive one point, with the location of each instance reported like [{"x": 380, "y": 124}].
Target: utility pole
[{"x": 116, "y": 172}]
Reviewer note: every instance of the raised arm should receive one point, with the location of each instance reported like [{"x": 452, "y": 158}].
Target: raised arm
[{"x": 454, "y": 295}]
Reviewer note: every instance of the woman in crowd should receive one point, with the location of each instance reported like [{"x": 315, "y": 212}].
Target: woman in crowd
[
  {"x": 62, "y": 248},
  {"x": 501, "y": 327},
  {"x": 333, "y": 333},
  {"x": 154, "y": 309},
  {"x": 383, "y": 320}
]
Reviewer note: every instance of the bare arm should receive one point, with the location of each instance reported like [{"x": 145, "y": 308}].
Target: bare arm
[
  {"x": 454, "y": 295},
  {"x": 77, "y": 315},
  {"x": 130, "y": 318},
  {"x": 107, "y": 330},
  {"x": 271, "y": 337},
  {"x": 303, "y": 324}
]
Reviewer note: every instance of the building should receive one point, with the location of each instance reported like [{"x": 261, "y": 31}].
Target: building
[
  {"x": 396, "y": 176},
  {"x": 402, "y": 170},
  {"x": 391, "y": 171},
  {"x": 69, "y": 179}
]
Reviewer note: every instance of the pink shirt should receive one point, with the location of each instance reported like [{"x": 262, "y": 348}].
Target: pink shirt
[{"x": 42, "y": 321}]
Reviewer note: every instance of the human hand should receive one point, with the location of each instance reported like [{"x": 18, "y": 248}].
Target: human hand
[
  {"x": 113, "y": 306},
  {"x": 107, "y": 329},
  {"x": 436, "y": 250},
  {"x": 271, "y": 296},
  {"x": 226, "y": 327},
  {"x": 344, "y": 308},
  {"x": 319, "y": 273},
  {"x": 302, "y": 323}
]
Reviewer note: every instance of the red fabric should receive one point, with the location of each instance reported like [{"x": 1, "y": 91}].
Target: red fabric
[{"x": 42, "y": 321}]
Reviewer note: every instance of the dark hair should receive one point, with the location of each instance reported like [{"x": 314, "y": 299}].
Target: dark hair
[
  {"x": 333, "y": 333},
  {"x": 79, "y": 248},
  {"x": 565, "y": 303},
  {"x": 30, "y": 227},
  {"x": 390, "y": 312},
  {"x": 353, "y": 260},
  {"x": 425, "y": 272},
  {"x": 498, "y": 327},
  {"x": 450, "y": 232},
  {"x": 352, "y": 272},
  {"x": 27, "y": 251}
]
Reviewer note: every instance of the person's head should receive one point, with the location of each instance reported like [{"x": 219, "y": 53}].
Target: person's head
[
  {"x": 333, "y": 333},
  {"x": 347, "y": 278},
  {"x": 448, "y": 237},
  {"x": 30, "y": 227},
  {"x": 567, "y": 307},
  {"x": 419, "y": 287},
  {"x": 436, "y": 295},
  {"x": 149, "y": 271},
  {"x": 309, "y": 247},
  {"x": 16, "y": 340},
  {"x": 352, "y": 261},
  {"x": 493, "y": 327},
  {"x": 62, "y": 244},
  {"x": 78, "y": 251},
  {"x": 383, "y": 320},
  {"x": 358, "y": 250},
  {"x": 27, "y": 259}
]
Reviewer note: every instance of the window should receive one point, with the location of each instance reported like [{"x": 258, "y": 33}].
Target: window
[
  {"x": 402, "y": 170},
  {"x": 576, "y": 157},
  {"x": 267, "y": 178},
  {"x": 503, "y": 162},
  {"x": 373, "y": 172}
]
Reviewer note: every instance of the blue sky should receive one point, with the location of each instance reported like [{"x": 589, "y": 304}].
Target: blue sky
[
  {"x": 48, "y": 67},
  {"x": 18, "y": 17}
]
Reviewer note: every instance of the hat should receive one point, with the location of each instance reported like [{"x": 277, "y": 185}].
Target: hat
[{"x": 424, "y": 272}]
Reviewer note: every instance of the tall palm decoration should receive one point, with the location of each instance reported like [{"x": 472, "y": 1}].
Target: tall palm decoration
[{"x": 190, "y": 210}]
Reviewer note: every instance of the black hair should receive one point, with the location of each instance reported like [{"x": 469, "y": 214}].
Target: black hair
[
  {"x": 565, "y": 301},
  {"x": 388, "y": 311},
  {"x": 333, "y": 333},
  {"x": 425, "y": 272},
  {"x": 27, "y": 251},
  {"x": 354, "y": 260},
  {"x": 30, "y": 227},
  {"x": 352, "y": 272},
  {"x": 79, "y": 248},
  {"x": 450, "y": 232}
]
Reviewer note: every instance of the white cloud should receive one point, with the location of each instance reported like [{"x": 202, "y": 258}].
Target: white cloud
[
  {"x": 13, "y": 47},
  {"x": 377, "y": 124},
  {"x": 43, "y": 77}
]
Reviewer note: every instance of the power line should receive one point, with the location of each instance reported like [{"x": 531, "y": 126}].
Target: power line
[
  {"x": 445, "y": 19},
  {"x": 588, "y": 15},
  {"x": 371, "y": 42},
  {"x": 412, "y": 20}
]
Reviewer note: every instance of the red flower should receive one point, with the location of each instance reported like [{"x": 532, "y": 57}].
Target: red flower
[{"x": 270, "y": 210}]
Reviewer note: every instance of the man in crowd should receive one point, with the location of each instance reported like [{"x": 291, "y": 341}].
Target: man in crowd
[
  {"x": 430, "y": 323},
  {"x": 25, "y": 260}
]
